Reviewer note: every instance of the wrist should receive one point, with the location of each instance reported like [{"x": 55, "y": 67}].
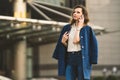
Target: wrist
[{"x": 65, "y": 44}]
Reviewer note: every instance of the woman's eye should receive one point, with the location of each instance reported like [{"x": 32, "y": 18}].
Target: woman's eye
[{"x": 78, "y": 12}]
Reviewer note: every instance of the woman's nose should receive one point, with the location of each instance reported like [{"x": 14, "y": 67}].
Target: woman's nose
[{"x": 74, "y": 14}]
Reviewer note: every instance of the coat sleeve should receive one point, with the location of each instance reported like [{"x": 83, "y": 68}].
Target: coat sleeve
[
  {"x": 93, "y": 48},
  {"x": 60, "y": 52},
  {"x": 59, "y": 45}
]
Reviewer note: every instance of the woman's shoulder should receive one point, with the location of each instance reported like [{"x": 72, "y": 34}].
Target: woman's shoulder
[
  {"x": 87, "y": 27},
  {"x": 67, "y": 26}
]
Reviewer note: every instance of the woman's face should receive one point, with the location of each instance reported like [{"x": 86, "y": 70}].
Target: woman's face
[{"x": 77, "y": 13}]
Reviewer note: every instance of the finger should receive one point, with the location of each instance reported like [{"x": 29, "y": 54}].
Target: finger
[
  {"x": 66, "y": 33},
  {"x": 82, "y": 17}
]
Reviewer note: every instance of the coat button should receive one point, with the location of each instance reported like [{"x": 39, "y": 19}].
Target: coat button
[
  {"x": 83, "y": 57},
  {"x": 82, "y": 46},
  {"x": 81, "y": 36}
]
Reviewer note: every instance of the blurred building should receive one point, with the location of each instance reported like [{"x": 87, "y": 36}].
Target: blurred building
[
  {"x": 26, "y": 47},
  {"x": 105, "y": 13}
]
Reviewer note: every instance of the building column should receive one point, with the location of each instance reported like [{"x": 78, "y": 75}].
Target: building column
[
  {"x": 20, "y": 9},
  {"x": 20, "y": 60},
  {"x": 29, "y": 63},
  {"x": 36, "y": 66}
]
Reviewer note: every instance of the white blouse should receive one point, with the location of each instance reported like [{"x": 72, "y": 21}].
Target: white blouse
[{"x": 71, "y": 46}]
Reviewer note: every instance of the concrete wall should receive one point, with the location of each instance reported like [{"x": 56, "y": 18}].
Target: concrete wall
[
  {"x": 106, "y": 13},
  {"x": 46, "y": 52}
]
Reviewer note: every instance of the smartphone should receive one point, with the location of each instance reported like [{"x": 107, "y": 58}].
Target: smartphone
[{"x": 81, "y": 17}]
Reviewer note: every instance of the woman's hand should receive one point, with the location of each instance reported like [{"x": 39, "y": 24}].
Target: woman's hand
[
  {"x": 65, "y": 38},
  {"x": 81, "y": 21}
]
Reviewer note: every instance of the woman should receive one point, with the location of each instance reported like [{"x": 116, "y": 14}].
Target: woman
[{"x": 77, "y": 48}]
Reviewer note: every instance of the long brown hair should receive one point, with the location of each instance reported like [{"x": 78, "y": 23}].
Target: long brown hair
[{"x": 84, "y": 12}]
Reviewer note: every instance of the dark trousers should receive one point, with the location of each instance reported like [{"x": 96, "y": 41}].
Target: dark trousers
[{"x": 74, "y": 69}]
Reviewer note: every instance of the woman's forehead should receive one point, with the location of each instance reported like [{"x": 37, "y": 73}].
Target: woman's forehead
[{"x": 78, "y": 9}]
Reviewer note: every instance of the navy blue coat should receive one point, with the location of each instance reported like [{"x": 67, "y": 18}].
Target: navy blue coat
[{"x": 89, "y": 48}]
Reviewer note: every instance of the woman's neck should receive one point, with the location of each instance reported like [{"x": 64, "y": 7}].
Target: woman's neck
[{"x": 79, "y": 25}]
